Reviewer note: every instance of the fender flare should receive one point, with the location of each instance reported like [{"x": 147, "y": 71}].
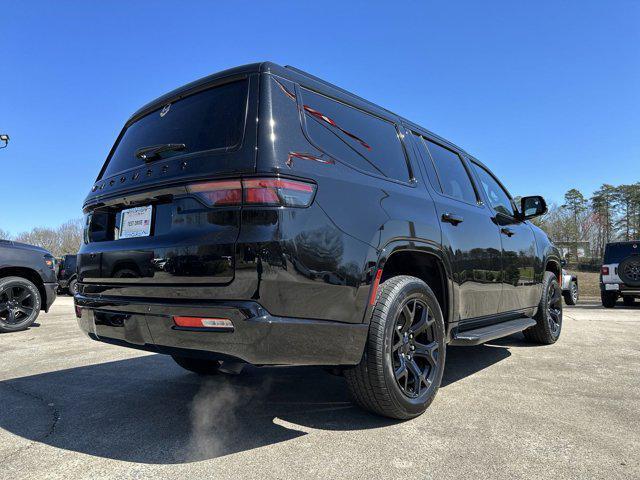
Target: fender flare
[{"x": 433, "y": 249}]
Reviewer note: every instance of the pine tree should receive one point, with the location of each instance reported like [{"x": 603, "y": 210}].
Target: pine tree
[
  {"x": 576, "y": 204},
  {"x": 602, "y": 206}
]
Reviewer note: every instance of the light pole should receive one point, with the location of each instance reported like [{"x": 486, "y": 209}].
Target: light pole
[{"x": 4, "y": 138}]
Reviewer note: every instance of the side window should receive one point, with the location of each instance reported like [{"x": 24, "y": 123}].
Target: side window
[
  {"x": 498, "y": 198},
  {"x": 452, "y": 174},
  {"x": 355, "y": 137}
]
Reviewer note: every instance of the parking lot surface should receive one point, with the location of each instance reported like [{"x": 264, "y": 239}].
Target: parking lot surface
[{"x": 74, "y": 408}]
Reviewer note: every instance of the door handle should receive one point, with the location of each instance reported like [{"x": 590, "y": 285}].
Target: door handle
[
  {"x": 507, "y": 231},
  {"x": 452, "y": 218}
]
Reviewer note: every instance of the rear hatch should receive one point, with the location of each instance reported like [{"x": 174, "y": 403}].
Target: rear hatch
[{"x": 145, "y": 222}]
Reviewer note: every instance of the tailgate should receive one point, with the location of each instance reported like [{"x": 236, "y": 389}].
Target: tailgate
[{"x": 185, "y": 242}]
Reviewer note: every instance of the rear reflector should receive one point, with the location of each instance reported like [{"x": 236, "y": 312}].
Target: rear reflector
[
  {"x": 255, "y": 191},
  {"x": 78, "y": 311},
  {"x": 374, "y": 287},
  {"x": 604, "y": 270},
  {"x": 200, "y": 322}
]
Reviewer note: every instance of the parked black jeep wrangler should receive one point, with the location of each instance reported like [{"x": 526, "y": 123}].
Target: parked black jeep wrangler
[
  {"x": 263, "y": 215},
  {"x": 27, "y": 284},
  {"x": 67, "y": 276},
  {"x": 620, "y": 273}
]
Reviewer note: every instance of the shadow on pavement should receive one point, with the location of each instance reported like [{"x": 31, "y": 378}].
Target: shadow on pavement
[{"x": 149, "y": 410}]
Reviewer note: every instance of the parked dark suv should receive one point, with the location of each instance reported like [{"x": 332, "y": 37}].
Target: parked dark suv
[
  {"x": 263, "y": 215},
  {"x": 620, "y": 273},
  {"x": 27, "y": 284},
  {"x": 67, "y": 276}
]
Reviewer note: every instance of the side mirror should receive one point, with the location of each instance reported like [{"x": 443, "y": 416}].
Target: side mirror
[{"x": 533, "y": 206}]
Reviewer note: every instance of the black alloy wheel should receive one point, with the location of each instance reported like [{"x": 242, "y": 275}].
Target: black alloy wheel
[
  {"x": 554, "y": 308},
  {"x": 19, "y": 304},
  {"x": 549, "y": 315},
  {"x": 403, "y": 361},
  {"x": 415, "y": 348}
]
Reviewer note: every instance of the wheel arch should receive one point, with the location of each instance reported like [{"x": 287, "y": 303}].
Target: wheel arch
[
  {"x": 31, "y": 275},
  {"x": 422, "y": 260},
  {"x": 554, "y": 266}
]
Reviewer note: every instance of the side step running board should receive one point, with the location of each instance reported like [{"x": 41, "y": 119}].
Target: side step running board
[{"x": 491, "y": 332}]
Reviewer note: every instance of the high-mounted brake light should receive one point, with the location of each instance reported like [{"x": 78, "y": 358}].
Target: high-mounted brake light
[
  {"x": 255, "y": 191},
  {"x": 604, "y": 270},
  {"x": 223, "y": 324}
]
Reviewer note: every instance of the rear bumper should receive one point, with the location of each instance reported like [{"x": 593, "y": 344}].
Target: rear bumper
[
  {"x": 258, "y": 337},
  {"x": 51, "y": 290},
  {"x": 621, "y": 290}
]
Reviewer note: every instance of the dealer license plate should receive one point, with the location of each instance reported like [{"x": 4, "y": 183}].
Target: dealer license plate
[{"x": 136, "y": 222}]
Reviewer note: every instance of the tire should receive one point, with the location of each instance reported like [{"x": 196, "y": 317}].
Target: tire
[
  {"x": 608, "y": 299},
  {"x": 198, "y": 365},
  {"x": 628, "y": 301},
  {"x": 548, "y": 325},
  {"x": 403, "y": 362},
  {"x": 20, "y": 304},
  {"x": 73, "y": 286},
  {"x": 629, "y": 271},
  {"x": 571, "y": 296}
]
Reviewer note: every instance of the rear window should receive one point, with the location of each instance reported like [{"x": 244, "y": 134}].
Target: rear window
[
  {"x": 211, "y": 119},
  {"x": 355, "y": 137},
  {"x": 453, "y": 178},
  {"x": 616, "y": 252},
  {"x": 70, "y": 263}
]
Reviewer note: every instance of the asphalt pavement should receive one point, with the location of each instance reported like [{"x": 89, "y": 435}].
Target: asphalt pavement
[{"x": 74, "y": 408}]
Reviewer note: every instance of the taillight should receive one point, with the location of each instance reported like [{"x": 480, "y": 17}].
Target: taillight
[
  {"x": 604, "y": 270},
  {"x": 50, "y": 261},
  {"x": 277, "y": 191},
  {"x": 255, "y": 191},
  {"x": 218, "y": 194}
]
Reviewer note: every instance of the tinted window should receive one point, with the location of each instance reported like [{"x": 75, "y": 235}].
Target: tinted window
[
  {"x": 452, "y": 174},
  {"x": 498, "y": 198},
  {"x": 355, "y": 137},
  {"x": 616, "y": 252},
  {"x": 210, "y": 119},
  {"x": 70, "y": 263}
]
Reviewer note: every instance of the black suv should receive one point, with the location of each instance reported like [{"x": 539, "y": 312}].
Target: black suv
[
  {"x": 620, "y": 273},
  {"x": 67, "y": 276},
  {"x": 27, "y": 284},
  {"x": 263, "y": 215}
]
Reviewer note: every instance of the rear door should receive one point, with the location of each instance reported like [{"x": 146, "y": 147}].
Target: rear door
[
  {"x": 149, "y": 217},
  {"x": 521, "y": 290},
  {"x": 469, "y": 235}
]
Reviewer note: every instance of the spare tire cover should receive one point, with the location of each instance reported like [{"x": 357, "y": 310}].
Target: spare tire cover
[{"x": 629, "y": 271}]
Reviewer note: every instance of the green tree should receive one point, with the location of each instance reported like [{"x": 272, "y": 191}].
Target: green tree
[
  {"x": 603, "y": 211},
  {"x": 576, "y": 204}
]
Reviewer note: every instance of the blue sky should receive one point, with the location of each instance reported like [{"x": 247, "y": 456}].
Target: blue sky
[{"x": 546, "y": 93}]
